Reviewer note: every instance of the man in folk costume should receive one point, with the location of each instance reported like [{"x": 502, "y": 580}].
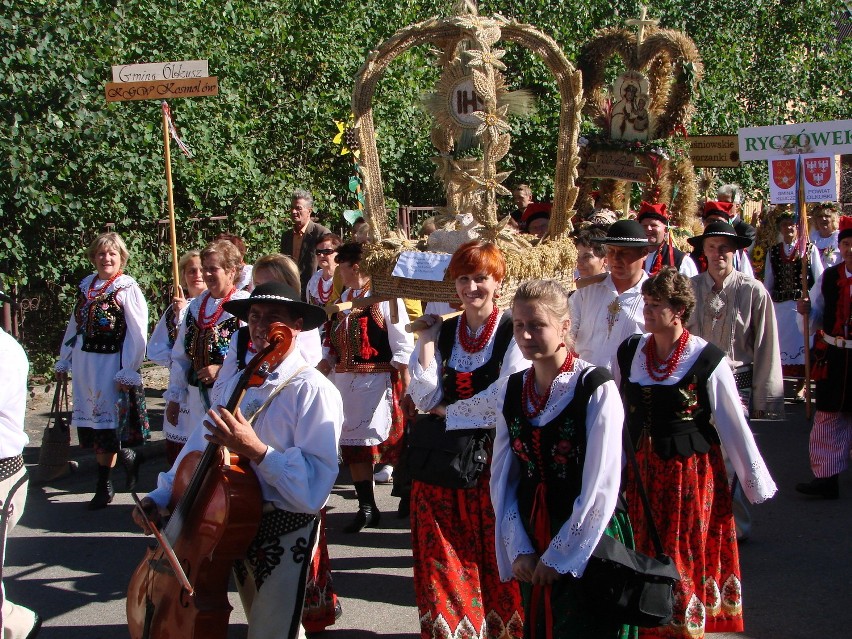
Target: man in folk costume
[
  {"x": 830, "y": 310},
  {"x": 15, "y": 620},
  {"x": 717, "y": 211},
  {"x": 605, "y": 313},
  {"x": 655, "y": 220},
  {"x": 733, "y": 194},
  {"x": 782, "y": 277},
  {"x": 291, "y": 442},
  {"x": 735, "y": 313}
]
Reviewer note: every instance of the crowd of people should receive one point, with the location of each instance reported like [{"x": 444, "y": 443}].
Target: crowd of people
[{"x": 681, "y": 349}]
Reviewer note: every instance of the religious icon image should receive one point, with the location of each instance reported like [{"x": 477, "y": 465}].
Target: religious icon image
[{"x": 629, "y": 118}]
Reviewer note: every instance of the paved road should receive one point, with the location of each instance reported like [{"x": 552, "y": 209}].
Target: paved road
[{"x": 73, "y": 565}]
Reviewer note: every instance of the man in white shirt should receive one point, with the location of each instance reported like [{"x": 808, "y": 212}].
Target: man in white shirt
[
  {"x": 291, "y": 445},
  {"x": 605, "y": 313},
  {"x": 16, "y": 620}
]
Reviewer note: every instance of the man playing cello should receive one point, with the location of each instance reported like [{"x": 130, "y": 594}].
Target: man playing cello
[{"x": 291, "y": 444}]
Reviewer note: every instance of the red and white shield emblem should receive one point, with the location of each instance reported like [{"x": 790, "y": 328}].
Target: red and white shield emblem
[
  {"x": 818, "y": 171},
  {"x": 784, "y": 173}
]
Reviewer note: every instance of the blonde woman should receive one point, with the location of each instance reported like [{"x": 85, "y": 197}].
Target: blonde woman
[{"x": 103, "y": 348}]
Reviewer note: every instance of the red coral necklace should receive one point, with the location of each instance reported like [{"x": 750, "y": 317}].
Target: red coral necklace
[
  {"x": 662, "y": 370},
  {"x": 206, "y": 322},
  {"x": 324, "y": 296},
  {"x": 530, "y": 396},
  {"x": 94, "y": 294},
  {"x": 475, "y": 344}
]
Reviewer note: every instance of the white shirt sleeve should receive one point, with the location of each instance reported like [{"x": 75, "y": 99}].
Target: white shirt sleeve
[
  {"x": 688, "y": 267},
  {"x": 159, "y": 348},
  {"x": 179, "y": 369},
  {"x": 66, "y": 350},
  {"x": 571, "y": 547},
  {"x": 401, "y": 343},
  {"x": 136, "y": 339},
  {"x": 425, "y": 388},
  {"x": 736, "y": 436}
]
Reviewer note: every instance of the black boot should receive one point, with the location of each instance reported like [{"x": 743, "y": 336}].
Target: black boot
[
  {"x": 825, "y": 487},
  {"x": 368, "y": 514},
  {"x": 131, "y": 460},
  {"x": 104, "y": 492}
]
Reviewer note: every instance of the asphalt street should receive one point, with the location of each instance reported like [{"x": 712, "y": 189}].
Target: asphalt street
[{"x": 73, "y": 565}]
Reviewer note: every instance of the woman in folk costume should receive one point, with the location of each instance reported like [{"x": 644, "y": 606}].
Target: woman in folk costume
[
  {"x": 321, "y": 285},
  {"x": 163, "y": 341},
  {"x": 103, "y": 348},
  {"x": 825, "y": 219},
  {"x": 682, "y": 406},
  {"x": 203, "y": 338},
  {"x": 783, "y": 279},
  {"x": 556, "y": 469},
  {"x": 368, "y": 350},
  {"x": 458, "y": 588}
]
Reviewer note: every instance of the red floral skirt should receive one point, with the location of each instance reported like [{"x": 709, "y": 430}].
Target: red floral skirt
[
  {"x": 390, "y": 450},
  {"x": 320, "y": 601},
  {"x": 691, "y": 503},
  {"x": 458, "y": 589}
]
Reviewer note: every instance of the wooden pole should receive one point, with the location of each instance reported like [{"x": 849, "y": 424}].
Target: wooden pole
[
  {"x": 803, "y": 229},
  {"x": 178, "y": 291}
]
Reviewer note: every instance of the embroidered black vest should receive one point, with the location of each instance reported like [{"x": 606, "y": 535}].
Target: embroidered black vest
[
  {"x": 552, "y": 453},
  {"x": 207, "y": 346},
  {"x": 171, "y": 327},
  {"x": 676, "y": 416},
  {"x": 362, "y": 343},
  {"x": 788, "y": 275},
  {"x": 480, "y": 378},
  {"x": 100, "y": 322}
]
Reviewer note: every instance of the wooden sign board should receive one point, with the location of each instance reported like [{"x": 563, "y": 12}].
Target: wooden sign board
[
  {"x": 161, "y": 89},
  {"x": 180, "y": 70},
  {"x": 616, "y": 165},
  {"x": 714, "y": 150}
]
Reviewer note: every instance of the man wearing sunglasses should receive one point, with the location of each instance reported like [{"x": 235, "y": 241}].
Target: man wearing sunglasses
[{"x": 300, "y": 242}]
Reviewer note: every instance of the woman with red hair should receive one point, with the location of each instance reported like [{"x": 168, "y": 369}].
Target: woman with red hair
[{"x": 458, "y": 588}]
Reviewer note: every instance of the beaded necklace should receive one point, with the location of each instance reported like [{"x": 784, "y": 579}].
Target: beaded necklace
[
  {"x": 530, "y": 396},
  {"x": 205, "y": 322},
  {"x": 324, "y": 296},
  {"x": 473, "y": 344},
  {"x": 94, "y": 294},
  {"x": 662, "y": 370}
]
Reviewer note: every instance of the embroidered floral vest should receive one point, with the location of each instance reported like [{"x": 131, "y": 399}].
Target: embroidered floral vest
[
  {"x": 100, "y": 322},
  {"x": 788, "y": 275},
  {"x": 207, "y": 346},
  {"x": 457, "y": 385},
  {"x": 676, "y": 416},
  {"x": 552, "y": 453},
  {"x": 361, "y": 343}
]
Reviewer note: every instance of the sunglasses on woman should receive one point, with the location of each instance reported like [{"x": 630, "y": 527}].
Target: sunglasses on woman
[{"x": 326, "y": 251}]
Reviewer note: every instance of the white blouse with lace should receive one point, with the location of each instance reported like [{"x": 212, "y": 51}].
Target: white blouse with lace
[
  {"x": 727, "y": 416},
  {"x": 571, "y": 547},
  {"x": 425, "y": 387}
]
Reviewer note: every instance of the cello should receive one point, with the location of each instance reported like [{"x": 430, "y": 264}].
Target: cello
[{"x": 180, "y": 589}]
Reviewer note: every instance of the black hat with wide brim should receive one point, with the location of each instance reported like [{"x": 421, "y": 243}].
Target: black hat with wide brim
[
  {"x": 278, "y": 293},
  {"x": 624, "y": 233},
  {"x": 719, "y": 229}
]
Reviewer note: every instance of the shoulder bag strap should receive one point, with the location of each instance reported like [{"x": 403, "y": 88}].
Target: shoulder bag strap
[{"x": 640, "y": 486}]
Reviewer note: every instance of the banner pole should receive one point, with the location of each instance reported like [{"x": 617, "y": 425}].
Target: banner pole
[
  {"x": 178, "y": 291},
  {"x": 803, "y": 230}
]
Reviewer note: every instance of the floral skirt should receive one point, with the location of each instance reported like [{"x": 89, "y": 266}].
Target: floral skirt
[
  {"x": 320, "y": 600},
  {"x": 457, "y": 586},
  {"x": 691, "y": 503}
]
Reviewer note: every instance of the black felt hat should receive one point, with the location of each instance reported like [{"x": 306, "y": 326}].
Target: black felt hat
[
  {"x": 624, "y": 233},
  {"x": 719, "y": 229},
  {"x": 278, "y": 293}
]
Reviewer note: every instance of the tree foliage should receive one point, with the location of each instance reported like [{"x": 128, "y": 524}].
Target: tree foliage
[{"x": 71, "y": 163}]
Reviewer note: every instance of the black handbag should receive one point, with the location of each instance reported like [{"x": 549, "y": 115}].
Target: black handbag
[
  {"x": 622, "y": 583},
  {"x": 448, "y": 458},
  {"x": 55, "y": 451}
]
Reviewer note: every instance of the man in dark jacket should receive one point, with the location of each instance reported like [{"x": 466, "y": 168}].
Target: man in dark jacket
[{"x": 300, "y": 242}]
